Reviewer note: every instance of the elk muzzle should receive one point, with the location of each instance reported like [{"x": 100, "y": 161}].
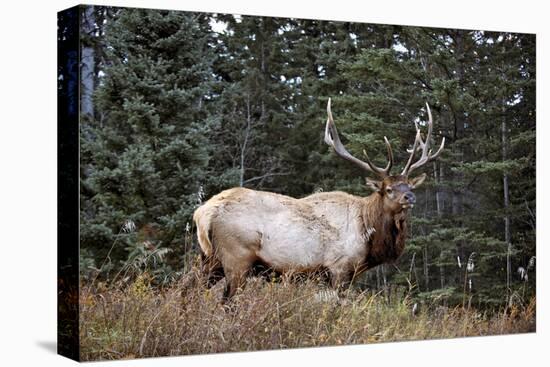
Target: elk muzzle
[{"x": 409, "y": 199}]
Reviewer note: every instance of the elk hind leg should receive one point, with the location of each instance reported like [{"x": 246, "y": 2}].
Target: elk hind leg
[
  {"x": 236, "y": 270},
  {"x": 212, "y": 270}
]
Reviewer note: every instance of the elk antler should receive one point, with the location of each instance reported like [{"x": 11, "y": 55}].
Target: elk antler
[
  {"x": 424, "y": 146},
  {"x": 332, "y": 139}
]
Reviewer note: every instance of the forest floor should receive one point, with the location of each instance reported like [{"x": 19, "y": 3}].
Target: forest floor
[{"x": 137, "y": 320}]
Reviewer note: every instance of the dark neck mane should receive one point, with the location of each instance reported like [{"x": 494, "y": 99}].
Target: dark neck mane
[{"x": 386, "y": 242}]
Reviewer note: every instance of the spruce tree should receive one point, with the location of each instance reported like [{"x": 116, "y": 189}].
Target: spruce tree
[{"x": 146, "y": 155}]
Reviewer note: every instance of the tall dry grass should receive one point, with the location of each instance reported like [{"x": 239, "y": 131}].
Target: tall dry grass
[{"x": 137, "y": 320}]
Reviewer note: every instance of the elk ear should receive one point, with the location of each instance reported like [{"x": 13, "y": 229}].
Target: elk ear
[
  {"x": 373, "y": 184},
  {"x": 417, "y": 181}
]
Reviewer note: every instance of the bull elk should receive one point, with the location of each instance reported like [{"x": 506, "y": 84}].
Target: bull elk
[{"x": 340, "y": 233}]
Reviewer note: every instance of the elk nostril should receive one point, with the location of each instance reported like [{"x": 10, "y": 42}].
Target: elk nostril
[{"x": 411, "y": 198}]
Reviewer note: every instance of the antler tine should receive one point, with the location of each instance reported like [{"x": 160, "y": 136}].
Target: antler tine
[
  {"x": 388, "y": 167},
  {"x": 390, "y": 156},
  {"x": 413, "y": 151},
  {"x": 332, "y": 139},
  {"x": 424, "y": 146},
  {"x": 430, "y": 127}
]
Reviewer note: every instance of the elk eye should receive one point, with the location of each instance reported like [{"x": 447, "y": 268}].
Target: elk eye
[{"x": 389, "y": 190}]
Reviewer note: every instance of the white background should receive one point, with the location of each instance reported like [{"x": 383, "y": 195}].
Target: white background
[{"x": 28, "y": 181}]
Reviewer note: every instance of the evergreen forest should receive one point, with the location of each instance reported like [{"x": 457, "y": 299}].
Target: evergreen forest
[{"x": 178, "y": 106}]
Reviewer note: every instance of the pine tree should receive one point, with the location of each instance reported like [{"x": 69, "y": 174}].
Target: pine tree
[
  {"x": 146, "y": 156},
  {"x": 254, "y": 102}
]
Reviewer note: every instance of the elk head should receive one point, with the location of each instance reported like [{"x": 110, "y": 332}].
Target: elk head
[{"x": 395, "y": 190}]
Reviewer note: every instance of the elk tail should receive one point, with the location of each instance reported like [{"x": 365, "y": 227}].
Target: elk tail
[{"x": 203, "y": 221}]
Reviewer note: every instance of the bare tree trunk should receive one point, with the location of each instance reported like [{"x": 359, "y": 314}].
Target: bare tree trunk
[
  {"x": 439, "y": 206},
  {"x": 245, "y": 141},
  {"x": 532, "y": 217},
  {"x": 425, "y": 249},
  {"x": 507, "y": 237},
  {"x": 457, "y": 211},
  {"x": 441, "y": 271},
  {"x": 264, "y": 72},
  {"x": 437, "y": 179},
  {"x": 426, "y": 274},
  {"x": 87, "y": 64},
  {"x": 413, "y": 260},
  {"x": 416, "y": 276},
  {"x": 457, "y": 202}
]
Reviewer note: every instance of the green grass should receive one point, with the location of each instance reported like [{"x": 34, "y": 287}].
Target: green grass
[{"x": 137, "y": 320}]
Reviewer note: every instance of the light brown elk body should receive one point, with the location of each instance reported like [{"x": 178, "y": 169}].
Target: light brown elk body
[{"x": 341, "y": 233}]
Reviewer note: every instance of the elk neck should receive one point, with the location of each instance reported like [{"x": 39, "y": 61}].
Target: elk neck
[{"x": 385, "y": 232}]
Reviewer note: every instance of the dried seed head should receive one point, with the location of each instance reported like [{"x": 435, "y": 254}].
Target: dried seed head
[
  {"x": 531, "y": 263},
  {"x": 149, "y": 245},
  {"x": 200, "y": 194},
  {"x": 129, "y": 226},
  {"x": 522, "y": 272},
  {"x": 470, "y": 265},
  {"x": 415, "y": 309}
]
